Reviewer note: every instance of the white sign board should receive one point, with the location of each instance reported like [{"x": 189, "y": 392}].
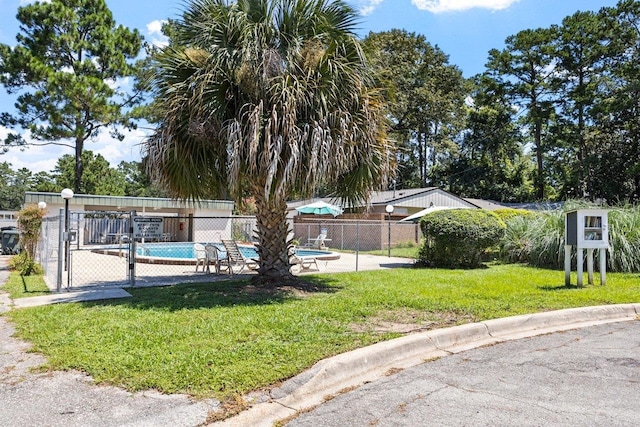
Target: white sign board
[{"x": 145, "y": 227}]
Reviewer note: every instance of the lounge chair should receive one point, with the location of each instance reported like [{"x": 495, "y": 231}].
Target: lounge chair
[
  {"x": 318, "y": 242},
  {"x": 303, "y": 262},
  {"x": 235, "y": 257}
]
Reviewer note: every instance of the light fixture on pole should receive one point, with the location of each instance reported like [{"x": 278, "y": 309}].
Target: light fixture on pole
[
  {"x": 389, "y": 210},
  {"x": 66, "y": 194},
  {"x": 42, "y": 205}
]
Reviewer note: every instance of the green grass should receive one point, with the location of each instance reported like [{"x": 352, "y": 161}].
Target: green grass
[
  {"x": 25, "y": 286},
  {"x": 401, "y": 252},
  {"x": 224, "y": 339}
]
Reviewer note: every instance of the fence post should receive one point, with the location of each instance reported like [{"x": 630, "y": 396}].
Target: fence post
[
  {"x": 60, "y": 250},
  {"x": 132, "y": 251},
  {"x": 78, "y": 230},
  {"x": 357, "y": 242}
]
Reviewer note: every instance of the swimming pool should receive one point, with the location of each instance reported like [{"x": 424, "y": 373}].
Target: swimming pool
[{"x": 184, "y": 252}]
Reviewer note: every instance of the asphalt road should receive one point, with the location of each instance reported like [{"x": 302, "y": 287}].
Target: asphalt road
[{"x": 584, "y": 377}]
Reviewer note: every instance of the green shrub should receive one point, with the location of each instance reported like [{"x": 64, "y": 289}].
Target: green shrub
[
  {"x": 507, "y": 214},
  {"x": 24, "y": 264},
  {"x": 29, "y": 223},
  {"x": 459, "y": 237}
]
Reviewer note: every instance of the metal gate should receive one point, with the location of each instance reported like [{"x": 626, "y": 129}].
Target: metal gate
[
  {"x": 95, "y": 250},
  {"x": 112, "y": 249}
]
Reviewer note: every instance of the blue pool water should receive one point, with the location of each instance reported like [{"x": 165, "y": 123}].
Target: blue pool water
[{"x": 185, "y": 251}]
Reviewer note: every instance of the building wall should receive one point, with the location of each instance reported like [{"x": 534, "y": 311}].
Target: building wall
[{"x": 8, "y": 219}]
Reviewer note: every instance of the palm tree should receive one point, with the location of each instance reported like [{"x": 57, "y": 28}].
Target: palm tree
[{"x": 268, "y": 98}]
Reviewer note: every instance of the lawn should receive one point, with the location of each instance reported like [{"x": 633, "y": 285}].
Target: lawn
[
  {"x": 25, "y": 286},
  {"x": 401, "y": 251},
  {"x": 224, "y": 339}
]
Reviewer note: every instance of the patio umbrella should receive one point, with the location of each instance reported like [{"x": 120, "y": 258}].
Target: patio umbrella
[{"x": 320, "y": 208}]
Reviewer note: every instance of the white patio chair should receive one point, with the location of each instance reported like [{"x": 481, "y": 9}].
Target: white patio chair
[{"x": 201, "y": 255}]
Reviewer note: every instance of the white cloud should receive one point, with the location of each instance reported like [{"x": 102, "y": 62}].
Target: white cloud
[
  {"x": 368, "y": 6},
  {"x": 43, "y": 158},
  {"x": 440, "y": 6},
  {"x": 115, "y": 151},
  {"x": 119, "y": 83},
  {"x": 155, "y": 27},
  {"x": 21, "y": 159},
  {"x": 36, "y": 158},
  {"x": 154, "y": 30}
]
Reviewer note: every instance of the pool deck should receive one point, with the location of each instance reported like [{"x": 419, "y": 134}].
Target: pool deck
[{"x": 90, "y": 270}]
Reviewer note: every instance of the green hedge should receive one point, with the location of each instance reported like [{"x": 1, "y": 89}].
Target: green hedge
[
  {"x": 506, "y": 214},
  {"x": 458, "y": 238}
]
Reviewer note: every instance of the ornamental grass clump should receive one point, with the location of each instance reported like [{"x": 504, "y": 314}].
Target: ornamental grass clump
[
  {"x": 624, "y": 240},
  {"x": 538, "y": 239},
  {"x": 459, "y": 238}
]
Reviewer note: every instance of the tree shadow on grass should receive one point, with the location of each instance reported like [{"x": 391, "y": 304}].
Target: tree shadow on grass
[
  {"x": 191, "y": 296},
  {"x": 27, "y": 292},
  {"x": 562, "y": 287}
]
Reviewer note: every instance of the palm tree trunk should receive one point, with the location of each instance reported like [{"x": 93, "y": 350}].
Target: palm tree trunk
[{"x": 272, "y": 232}]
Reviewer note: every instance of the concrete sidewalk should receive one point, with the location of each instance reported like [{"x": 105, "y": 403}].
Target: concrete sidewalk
[
  {"x": 5, "y": 302},
  {"x": 73, "y": 296}
]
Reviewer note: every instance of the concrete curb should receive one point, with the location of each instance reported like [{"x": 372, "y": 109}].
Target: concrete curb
[
  {"x": 554, "y": 321},
  {"x": 349, "y": 370}
]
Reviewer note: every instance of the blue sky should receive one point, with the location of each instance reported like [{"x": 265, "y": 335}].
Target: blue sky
[{"x": 464, "y": 29}]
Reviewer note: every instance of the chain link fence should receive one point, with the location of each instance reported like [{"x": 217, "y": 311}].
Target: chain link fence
[
  {"x": 48, "y": 249},
  {"x": 108, "y": 248}
]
